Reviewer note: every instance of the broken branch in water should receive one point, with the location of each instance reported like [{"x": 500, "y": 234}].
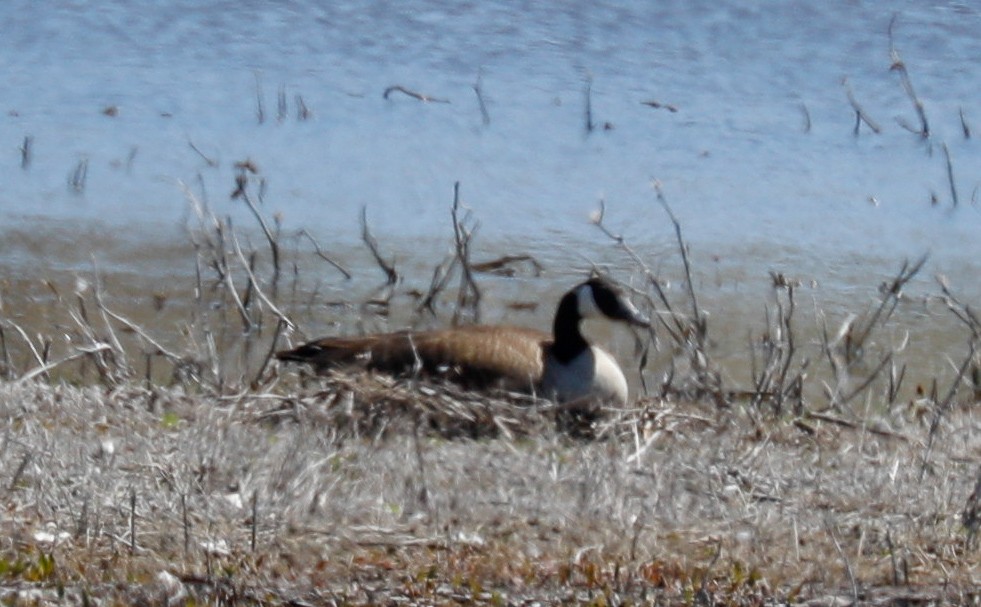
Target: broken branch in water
[
  {"x": 421, "y": 97},
  {"x": 503, "y": 266},
  {"x": 658, "y": 105}
]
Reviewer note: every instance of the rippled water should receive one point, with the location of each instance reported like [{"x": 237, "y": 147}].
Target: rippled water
[{"x": 752, "y": 184}]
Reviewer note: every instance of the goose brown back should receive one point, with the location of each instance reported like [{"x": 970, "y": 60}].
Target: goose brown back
[{"x": 474, "y": 356}]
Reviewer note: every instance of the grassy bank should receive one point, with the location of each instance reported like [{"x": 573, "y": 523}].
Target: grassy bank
[
  {"x": 170, "y": 461},
  {"x": 336, "y": 494}
]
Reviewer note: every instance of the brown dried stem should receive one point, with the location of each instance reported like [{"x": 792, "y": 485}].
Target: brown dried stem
[{"x": 391, "y": 276}]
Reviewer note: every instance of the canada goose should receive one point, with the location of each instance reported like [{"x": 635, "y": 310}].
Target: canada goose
[{"x": 562, "y": 366}]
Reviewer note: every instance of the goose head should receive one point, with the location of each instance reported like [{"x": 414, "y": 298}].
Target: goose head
[
  {"x": 574, "y": 369},
  {"x": 595, "y": 298}
]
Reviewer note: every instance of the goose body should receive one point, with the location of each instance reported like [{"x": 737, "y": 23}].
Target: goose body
[{"x": 561, "y": 366}]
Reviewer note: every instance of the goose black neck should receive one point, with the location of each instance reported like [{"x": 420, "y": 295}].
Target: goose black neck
[{"x": 569, "y": 342}]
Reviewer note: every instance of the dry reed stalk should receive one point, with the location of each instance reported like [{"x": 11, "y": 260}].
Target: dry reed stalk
[
  {"x": 391, "y": 276},
  {"x": 27, "y": 151},
  {"x": 479, "y": 92},
  {"x": 773, "y": 383},
  {"x": 211, "y": 162},
  {"x": 246, "y": 168},
  {"x": 806, "y": 113},
  {"x": 302, "y": 111},
  {"x": 860, "y": 114},
  {"x": 283, "y": 318},
  {"x": 943, "y": 407},
  {"x": 900, "y": 67},
  {"x": 588, "y": 103},
  {"x": 464, "y": 228},
  {"x": 282, "y": 108},
  {"x": 79, "y": 176},
  {"x": 950, "y": 175},
  {"x": 260, "y": 111}
]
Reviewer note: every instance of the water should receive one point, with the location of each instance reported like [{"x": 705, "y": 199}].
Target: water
[{"x": 753, "y": 188}]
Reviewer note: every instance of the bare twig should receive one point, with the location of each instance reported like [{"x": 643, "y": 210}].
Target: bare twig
[
  {"x": 943, "y": 407},
  {"x": 899, "y": 66},
  {"x": 680, "y": 325},
  {"x": 950, "y": 175},
  {"x": 132, "y": 326},
  {"x": 302, "y": 111},
  {"x": 891, "y": 293},
  {"x": 244, "y": 168},
  {"x": 320, "y": 253},
  {"x": 255, "y": 519},
  {"x": 841, "y": 553},
  {"x": 845, "y": 423},
  {"x": 807, "y": 117},
  {"x": 30, "y": 344},
  {"x": 504, "y": 265},
  {"x": 659, "y": 106},
  {"x": 398, "y": 88},
  {"x": 588, "y": 102},
  {"x": 79, "y": 176},
  {"x": 187, "y": 526},
  {"x": 209, "y": 161},
  {"x": 19, "y": 472},
  {"x": 388, "y": 268},
  {"x": 860, "y": 114},
  {"x": 280, "y": 327},
  {"x": 962, "y": 311},
  {"x": 440, "y": 278},
  {"x": 79, "y": 353},
  {"x": 26, "y": 150},
  {"x": 282, "y": 107},
  {"x": 260, "y": 111},
  {"x": 469, "y": 294},
  {"x": 132, "y": 521},
  {"x": 255, "y": 285},
  {"x": 779, "y": 347},
  {"x": 478, "y": 90},
  {"x": 697, "y": 316}
]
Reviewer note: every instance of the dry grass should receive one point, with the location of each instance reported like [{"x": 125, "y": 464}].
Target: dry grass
[{"x": 673, "y": 502}]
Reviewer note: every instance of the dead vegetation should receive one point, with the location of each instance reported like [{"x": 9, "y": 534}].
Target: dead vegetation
[
  {"x": 351, "y": 492},
  {"x": 153, "y": 469}
]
